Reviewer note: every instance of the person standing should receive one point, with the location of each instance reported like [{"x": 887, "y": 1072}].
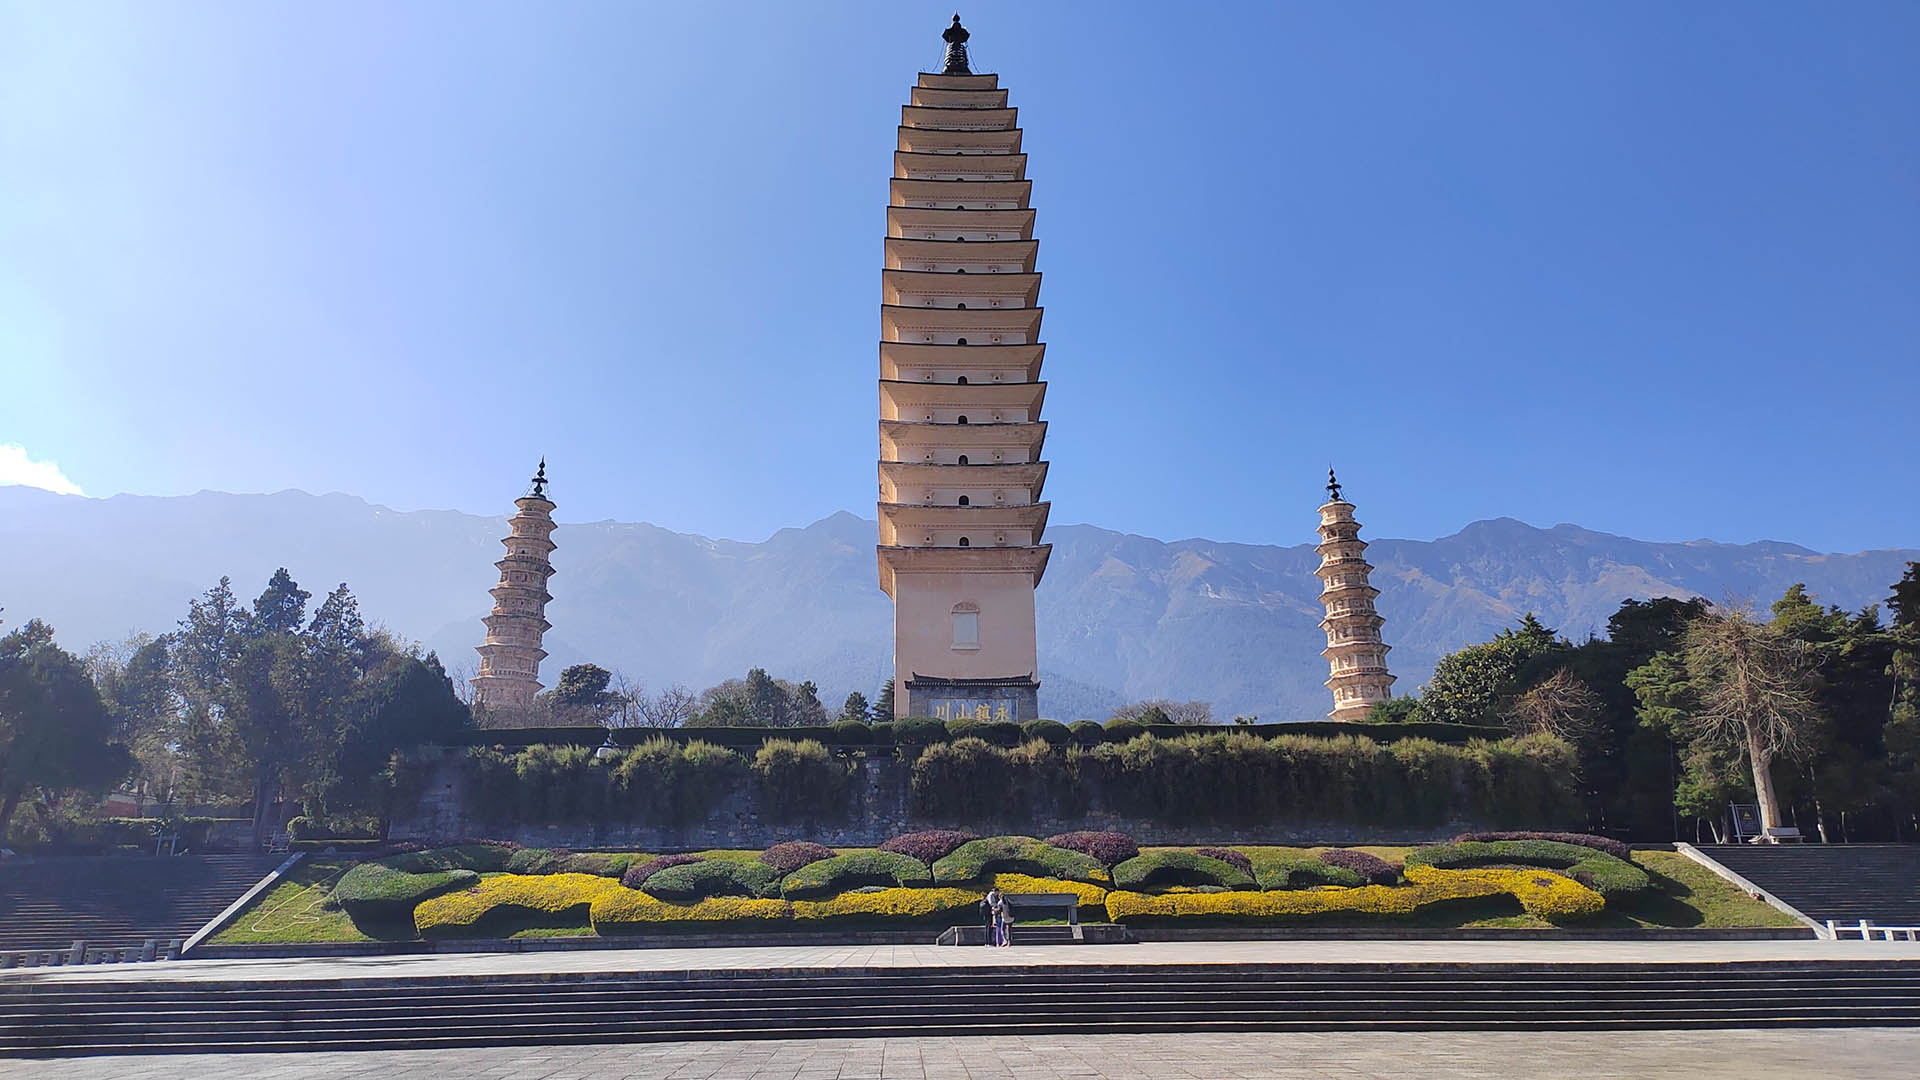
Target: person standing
[
  {"x": 987, "y": 918},
  {"x": 1002, "y": 920}
]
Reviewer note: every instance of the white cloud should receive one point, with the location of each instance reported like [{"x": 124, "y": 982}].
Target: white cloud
[{"x": 17, "y": 468}]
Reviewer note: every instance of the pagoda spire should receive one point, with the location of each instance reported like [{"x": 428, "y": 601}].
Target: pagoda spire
[
  {"x": 956, "y": 38},
  {"x": 1356, "y": 655},
  {"x": 510, "y": 655}
]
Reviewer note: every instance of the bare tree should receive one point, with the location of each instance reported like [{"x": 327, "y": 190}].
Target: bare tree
[
  {"x": 1559, "y": 705},
  {"x": 634, "y": 707},
  {"x": 1163, "y": 711},
  {"x": 1756, "y": 689}
]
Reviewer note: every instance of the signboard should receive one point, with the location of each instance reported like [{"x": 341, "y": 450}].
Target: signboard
[
  {"x": 946, "y": 708},
  {"x": 1746, "y": 820}
]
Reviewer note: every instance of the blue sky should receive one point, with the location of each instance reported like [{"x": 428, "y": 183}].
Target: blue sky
[{"x": 1649, "y": 268}]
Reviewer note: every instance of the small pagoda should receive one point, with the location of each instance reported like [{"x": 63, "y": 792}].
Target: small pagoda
[
  {"x": 1356, "y": 655},
  {"x": 510, "y": 656},
  {"x": 961, "y": 519}
]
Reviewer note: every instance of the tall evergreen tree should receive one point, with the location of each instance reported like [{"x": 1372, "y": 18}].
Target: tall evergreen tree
[{"x": 55, "y": 732}]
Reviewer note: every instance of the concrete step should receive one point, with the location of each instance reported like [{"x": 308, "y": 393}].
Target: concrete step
[{"x": 51, "y": 1018}]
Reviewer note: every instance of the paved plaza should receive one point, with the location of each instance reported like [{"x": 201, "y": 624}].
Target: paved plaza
[
  {"x": 830, "y": 959},
  {"x": 1826, "y": 1053}
]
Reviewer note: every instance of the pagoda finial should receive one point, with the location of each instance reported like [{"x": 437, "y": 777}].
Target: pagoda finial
[
  {"x": 1333, "y": 486},
  {"x": 956, "y": 38},
  {"x": 540, "y": 480}
]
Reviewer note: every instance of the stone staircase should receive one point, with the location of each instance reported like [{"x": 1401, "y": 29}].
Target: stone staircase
[
  {"x": 118, "y": 901},
  {"x": 1842, "y": 882},
  {"x": 64, "y": 1017}
]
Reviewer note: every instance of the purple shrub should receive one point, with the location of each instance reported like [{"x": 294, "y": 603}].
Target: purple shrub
[
  {"x": 640, "y": 872},
  {"x": 929, "y": 846},
  {"x": 1598, "y": 843},
  {"x": 1372, "y": 869},
  {"x": 795, "y": 854},
  {"x": 1111, "y": 848},
  {"x": 1235, "y": 859}
]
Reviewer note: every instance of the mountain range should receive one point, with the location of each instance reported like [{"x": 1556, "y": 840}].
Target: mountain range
[{"x": 1121, "y": 617}]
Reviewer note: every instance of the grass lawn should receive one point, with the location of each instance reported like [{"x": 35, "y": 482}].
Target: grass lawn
[{"x": 294, "y": 910}]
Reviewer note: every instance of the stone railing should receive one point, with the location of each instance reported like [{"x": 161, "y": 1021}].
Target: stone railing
[{"x": 80, "y": 953}]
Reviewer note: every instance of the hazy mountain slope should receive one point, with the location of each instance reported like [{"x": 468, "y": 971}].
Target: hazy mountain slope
[{"x": 1121, "y": 616}]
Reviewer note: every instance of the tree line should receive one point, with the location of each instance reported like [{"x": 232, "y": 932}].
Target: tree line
[
  {"x": 1686, "y": 707},
  {"x": 264, "y": 706}
]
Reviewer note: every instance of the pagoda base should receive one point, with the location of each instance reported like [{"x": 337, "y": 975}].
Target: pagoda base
[{"x": 1016, "y": 698}]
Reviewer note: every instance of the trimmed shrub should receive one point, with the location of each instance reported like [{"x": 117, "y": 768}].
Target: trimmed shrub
[
  {"x": 800, "y": 780},
  {"x": 1086, "y": 733},
  {"x": 714, "y": 877},
  {"x": 1158, "y": 869},
  {"x": 883, "y": 733},
  {"x": 919, "y": 731},
  {"x": 375, "y": 892},
  {"x": 795, "y": 854},
  {"x": 628, "y": 911},
  {"x": 1598, "y": 843},
  {"x": 1003, "y": 733},
  {"x": 1543, "y": 893},
  {"x": 636, "y": 876},
  {"x": 1236, "y": 859},
  {"x": 1052, "y": 732},
  {"x": 939, "y": 906},
  {"x": 1281, "y": 870},
  {"x": 1111, "y": 848},
  {"x": 514, "y": 899},
  {"x": 930, "y": 845},
  {"x": 1371, "y": 869},
  {"x": 852, "y": 733},
  {"x": 483, "y": 856},
  {"x": 537, "y": 861},
  {"x": 977, "y": 860},
  {"x": 1610, "y": 877},
  {"x": 844, "y": 872},
  {"x": 1124, "y": 729},
  {"x": 607, "y": 864}
]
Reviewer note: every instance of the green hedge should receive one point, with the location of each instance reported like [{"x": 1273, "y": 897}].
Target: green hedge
[
  {"x": 714, "y": 877},
  {"x": 829, "y": 877},
  {"x": 921, "y": 730},
  {"x": 978, "y": 859},
  {"x": 377, "y": 893},
  {"x": 1610, "y": 877},
  {"x": 1241, "y": 778},
  {"x": 1157, "y": 869},
  {"x": 1224, "y": 777}
]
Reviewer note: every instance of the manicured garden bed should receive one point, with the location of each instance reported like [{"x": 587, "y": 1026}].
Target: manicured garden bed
[{"x": 933, "y": 880}]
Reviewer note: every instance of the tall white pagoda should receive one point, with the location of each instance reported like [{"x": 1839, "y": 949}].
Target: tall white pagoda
[
  {"x": 510, "y": 656},
  {"x": 961, "y": 519},
  {"x": 1356, "y": 656}
]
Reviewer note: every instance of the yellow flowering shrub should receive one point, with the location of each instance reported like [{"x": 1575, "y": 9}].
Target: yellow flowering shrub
[
  {"x": 624, "y": 910},
  {"x": 1551, "y": 896},
  {"x": 902, "y": 904},
  {"x": 508, "y": 895},
  {"x": 1090, "y": 895},
  {"x": 1543, "y": 893}
]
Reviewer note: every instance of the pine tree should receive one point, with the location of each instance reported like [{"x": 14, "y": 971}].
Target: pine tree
[
  {"x": 854, "y": 710},
  {"x": 883, "y": 705}
]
